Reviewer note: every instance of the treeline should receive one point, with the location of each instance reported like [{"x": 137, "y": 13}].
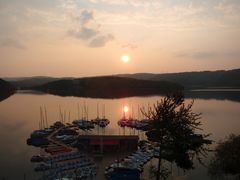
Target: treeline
[
  {"x": 29, "y": 82},
  {"x": 195, "y": 80},
  {"x": 6, "y": 89},
  {"x": 108, "y": 87}
]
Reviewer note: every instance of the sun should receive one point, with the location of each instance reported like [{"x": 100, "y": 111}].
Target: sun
[
  {"x": 125, "y": 109},
  {"x": 125, "y": 58}
]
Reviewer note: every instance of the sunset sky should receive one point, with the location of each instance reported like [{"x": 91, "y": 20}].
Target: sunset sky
[{"x": 89, "y": 37}]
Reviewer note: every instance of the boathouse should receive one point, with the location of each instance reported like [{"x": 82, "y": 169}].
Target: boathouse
[{"x": 108, "y": 143}]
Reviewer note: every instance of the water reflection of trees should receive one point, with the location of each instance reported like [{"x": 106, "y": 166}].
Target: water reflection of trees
[
  {"x": 226, "y": 160},
  {"x": 6, "y": 90},
  {"x": 218, "y": 95},
  {"x": 173, "y": 127}
]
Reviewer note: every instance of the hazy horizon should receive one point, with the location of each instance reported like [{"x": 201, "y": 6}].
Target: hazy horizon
[
  {"x": 79, "y": 38},
  {"x": 114, "y": 74}
]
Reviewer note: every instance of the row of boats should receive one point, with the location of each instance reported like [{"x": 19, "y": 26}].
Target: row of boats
[
  {"x": 85, "y": 173},
  {"x": 57, "y": 158},
  {"x": 101, "y": 122},
  {"x": 134, "y": 123},
  {"x": 64, "y": 166},
  {"x": 66, "y": 133},
  {"x": 67, "y": 165},
  {"x": 88, "y": 125},
  {"x": 129, "y": 167}
]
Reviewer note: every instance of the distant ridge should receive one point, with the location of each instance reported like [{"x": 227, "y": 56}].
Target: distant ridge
[
  {"x": 29, "y": 82},
  {"x": 190, "y": 80},
  {"x": 195, "y": 80},
  {"x": 108, "y": 87}
]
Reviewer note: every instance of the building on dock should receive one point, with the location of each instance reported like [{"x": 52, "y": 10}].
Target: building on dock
[{"x": 107, "y": 143}]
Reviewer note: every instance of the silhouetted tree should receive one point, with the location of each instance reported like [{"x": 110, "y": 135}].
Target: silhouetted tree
[
  {"x": 227, "y": 158},
  {"x": 172, "y": 128}
]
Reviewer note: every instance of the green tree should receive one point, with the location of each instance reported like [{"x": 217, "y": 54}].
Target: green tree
[
  {"x": 226, "y": 159},
  {"x": 172, "y": 127}
]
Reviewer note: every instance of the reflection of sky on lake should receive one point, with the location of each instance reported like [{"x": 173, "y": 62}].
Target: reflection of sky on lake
[{"x": 20, "y": 114}]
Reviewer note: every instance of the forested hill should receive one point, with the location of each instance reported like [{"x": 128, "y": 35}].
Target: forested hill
[
  {"x": 190, "y": 80},
  {"x": 6, "y": 89},
  {"x": 194, "y": 80},
  {"x": 108, "y": 87},
  {"x": 28, "y": 82}
]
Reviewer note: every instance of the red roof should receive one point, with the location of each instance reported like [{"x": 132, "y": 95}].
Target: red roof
[{"x": 104, "y": 142}]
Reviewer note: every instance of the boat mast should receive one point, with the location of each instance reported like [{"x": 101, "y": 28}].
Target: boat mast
[
  {"x": 97, "y": 111},
  {"x": 64, "y": 116},
  {"x": 82, "y": 113},
  {"x": 124, "y": 115},
  {"x": 87, "y": 112},
  {"x": 138, "y": 112},
  {"x": 69, "y": 114},
  {"x": 42, "y": 119},
  {"x": 103, "y": 111},
  {"x": 78, "y": 110},
  {"x": 60, "y": 114},
  {"x": 40, "y": 125},
  {"x": 132, "y": 113},
  {"x": 46, "y": 119}
]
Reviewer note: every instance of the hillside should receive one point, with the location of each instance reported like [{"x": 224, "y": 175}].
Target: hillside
[
  {"x": 6, "y": 89},
  {"x": 28, "y": 82},
  {"x": 190, "y": 80},
  {"x": 108, "y": 87},
  {"x": 194, "y": 80}
]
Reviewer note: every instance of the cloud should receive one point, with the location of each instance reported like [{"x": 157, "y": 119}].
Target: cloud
[
  {"x": 198, "y": 55},
  {"x": 135, "y": 3},
  {"x": 84, "y": 33},
  {"x": 171, "y": 15},
  {"x": 210, "y": 55},
  {"x": 153, "y": 13},
  {"x": 229, "y": 6},
  {"x": 10, "y": 42},
  {"x": 89, "y": 30},
  {"x": 130, "y": 45},
  {"x": 101, "y": 40},
  {"x": 86, "y": 16},
  {"x": 204, "y": 55},
  {"x": 230, "y": 9}
]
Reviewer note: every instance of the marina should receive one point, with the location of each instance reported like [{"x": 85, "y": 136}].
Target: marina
[{"x": 68, "y": 150}]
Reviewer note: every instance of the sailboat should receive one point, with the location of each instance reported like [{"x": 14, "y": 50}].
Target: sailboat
[
  {"x": 84, "y": 123},
  {"x": 101, "y": 122},
  {"x": 123, "y": 121}
]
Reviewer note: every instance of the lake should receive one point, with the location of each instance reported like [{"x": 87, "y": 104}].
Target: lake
[{"x": 20, "y": 115}]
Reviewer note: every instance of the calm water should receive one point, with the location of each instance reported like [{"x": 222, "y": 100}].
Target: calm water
[{"x": 20, "y": 114}]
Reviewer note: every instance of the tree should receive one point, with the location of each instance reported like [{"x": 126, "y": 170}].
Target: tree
[
  {"x": 172, "y": 127},
  {"x": 226, "y": 159}
]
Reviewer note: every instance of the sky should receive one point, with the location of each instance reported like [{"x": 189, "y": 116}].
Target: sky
[{"x": 77, "y": 38}]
